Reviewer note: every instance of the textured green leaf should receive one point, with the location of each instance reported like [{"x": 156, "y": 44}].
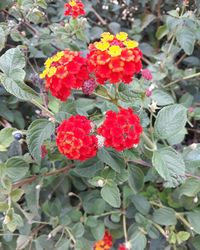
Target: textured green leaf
[
  {"x": 37, "y": 133},
  {"x": 111, "y": 195},
  {"x": 170, "y": 166},
  {"x": 11, "y": 60},
  {"x": 170, "y": 120},
  {"x": 165, "y": 216},
  {"x": 186, "y": 38},
  {"x": 16, "y": 168},
  {"x": 18, "y": 88},
  {"x": 6, "y": 138},
  {"x": 162, "y": 98},
  {"x": 136, "y": 178},
  {"x": 161, "y": 32},
  {"x": 194, "y": 219},
  {"x": 110, "y": 159}
]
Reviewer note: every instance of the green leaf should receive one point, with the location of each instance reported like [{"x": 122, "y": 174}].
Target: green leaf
[
  {"x": 16, "y": 168},
  {"x": 16, "y": 222},
  {"x": 194, "y": 220},
  {"x": 111, "y": 195},
  {"x": 162, "y": 98},
  {"x": 138, "y": 240},
  {"x": 182, "y": 236},
  {"x": 37, "y": 133},
  {"x": 16, "y": 194},
  {"x": 170, "y": 120},
  {"x": 22, "y": 241},
  {"x": 98, "y": 231},
  {"x": 170, "y": 166},
  {"x": 78, "y": 230},
  {"x": 110, "y": 159},
  {"x": 3, "y": 206},
  {"x": 6, "y": 138},
  {"x": 141, "y": 204},
  {"x": 165, "y": 216},
  {"x": 190, "y": 188},
  {"x": 186, "y": 38},
  {"x": 88, "y": 168},
  {"x": 18, "y": 88},
  {"x": 11, "y": 60},
  {"x": 161, "y": 32},
  {"x": 136, "y": 178}
]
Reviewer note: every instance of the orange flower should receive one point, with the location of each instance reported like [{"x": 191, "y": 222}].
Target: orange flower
[
  {"x": 74, "y": 8},
  {"x": 114, "y": 58},
  {"x": 63, "y": 72},
  {"x": 105, "y": 243}
]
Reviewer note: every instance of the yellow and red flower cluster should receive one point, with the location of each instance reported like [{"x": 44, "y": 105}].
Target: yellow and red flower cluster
[
  {"x": 74, "y": 138},
  {"x": 105, "y": 243},
  {"x": 121, "y": 130},
  {"x": 74, "y": 8},
  {"x": 63, "y": 72},
  {"x": 114, "y": 58}
]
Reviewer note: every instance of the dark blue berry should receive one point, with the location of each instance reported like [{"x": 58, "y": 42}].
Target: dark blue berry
[{"x": 18, "y": 136}]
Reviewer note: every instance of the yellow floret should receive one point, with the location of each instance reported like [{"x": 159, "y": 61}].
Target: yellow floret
[
  {"x": 131, "y": 44},
  {"x": 48, "y": 63},
  {"x": 51, "y": 71},
  {"x": 102, "y": 46},
  {"x": 72, "y": 3},
  {"x": 43, "y": 74},
  {"x": 122, "y": 36},
  {"x": 106, "y": 36},
  {"x": 114, "y": 50},
  {"x": 58, "y": 56}
]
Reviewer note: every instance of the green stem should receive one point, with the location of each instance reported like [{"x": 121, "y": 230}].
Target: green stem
[
  {"x": 45, "y": 110},
  {"x": 70, "y": 235},
  {"x": 183, "y": 220},
  {"x": 108, "y": 213},
  {"x": 125, "y": 228},
  {"x": 149, "y": 143},
  {"x": 180, "y": 79}
]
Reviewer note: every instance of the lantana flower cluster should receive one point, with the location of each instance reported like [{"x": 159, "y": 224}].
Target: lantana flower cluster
[
  {"x": 75, "y": 139},
  {"x": 63, "y": 72},
  {"x": 74, "y": 8},
  {"x": 114, "y": 58},
  {"x": 121, "y": 130}
]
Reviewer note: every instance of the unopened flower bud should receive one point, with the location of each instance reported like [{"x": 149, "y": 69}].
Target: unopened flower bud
[
  {"x": 100, "y": 183},
  {"x": 89, "y": 86},
  {"x": 191, "y": 109},
  {"x": 148, "y": 92},
  {"x": 195, "y": 199},
  {"x": 146, "y": 73}
]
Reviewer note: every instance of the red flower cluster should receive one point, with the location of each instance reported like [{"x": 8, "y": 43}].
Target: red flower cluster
[
  {"x": 74, "y": 138},
  {"x": 114, "y": 58},
  {"x": 105, "y": 243},
  {"x": 64, "y": 71},
  {"x": 74, "y": 8},
  {"x": 121, "y": 130}
]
